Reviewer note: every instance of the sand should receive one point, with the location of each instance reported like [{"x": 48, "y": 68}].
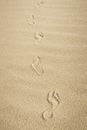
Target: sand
[{"x": 43, "y": 64}]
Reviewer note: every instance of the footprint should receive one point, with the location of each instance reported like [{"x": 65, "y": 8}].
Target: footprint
[
  {"x": 31, "y": 20},
  {"x": 41, "y": 2},
  {"x": 36, "y": 66},
  {"x": 38, "y": 36},
  {"x": 54, "y": 100}
]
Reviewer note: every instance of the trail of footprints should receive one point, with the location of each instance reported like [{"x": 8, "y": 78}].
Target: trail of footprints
[
  {"x": 52, "y": 97},
  {"x": 38, "y": 36},
  {"x": 54, "y": 100}
]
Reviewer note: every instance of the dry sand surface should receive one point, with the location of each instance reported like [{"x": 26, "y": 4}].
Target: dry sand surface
[{"x": 43, "y": 64}]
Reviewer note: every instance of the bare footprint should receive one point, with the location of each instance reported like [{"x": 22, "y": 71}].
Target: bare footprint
[
  {"x": 36, "y": 66},
  {"x": 31, "y": 20},
  {"x": 41, "y": 2},
  {"x": 38, "y": 36},
  {"x": 54, "y": 100}
]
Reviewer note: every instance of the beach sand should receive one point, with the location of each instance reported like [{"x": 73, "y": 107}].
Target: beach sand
[{"x": 43, "y": 52}]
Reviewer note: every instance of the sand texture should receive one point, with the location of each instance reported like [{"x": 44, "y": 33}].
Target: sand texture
[{"x": 43, "y": 64}]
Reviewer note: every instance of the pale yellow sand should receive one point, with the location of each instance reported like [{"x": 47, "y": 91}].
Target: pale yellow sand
[{"x": 56, "y": 31}]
